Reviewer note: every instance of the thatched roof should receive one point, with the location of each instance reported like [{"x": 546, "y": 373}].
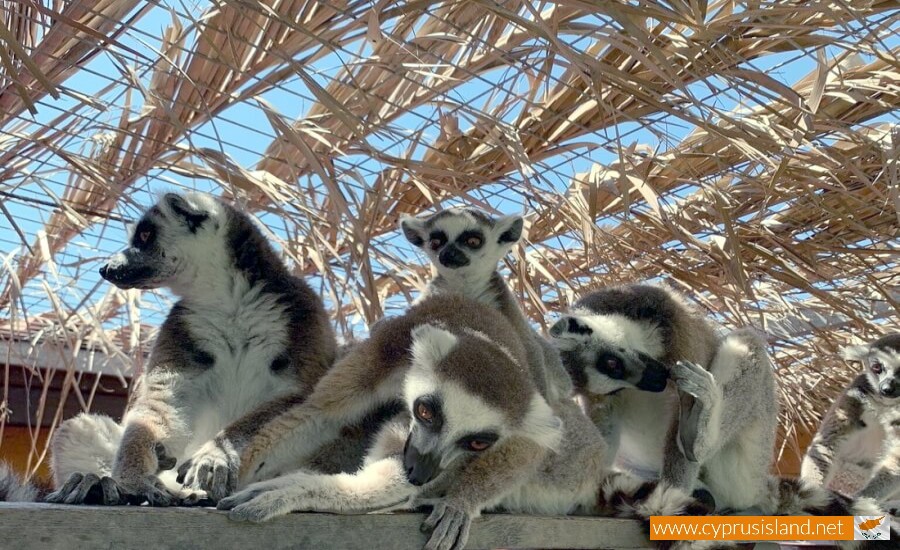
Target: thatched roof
[{"x": 745, "y": 151}]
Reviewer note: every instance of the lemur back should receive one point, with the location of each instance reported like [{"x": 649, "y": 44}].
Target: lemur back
[
  {"x": 245, "y": 338},
  {"x": 464, "y": 246}
]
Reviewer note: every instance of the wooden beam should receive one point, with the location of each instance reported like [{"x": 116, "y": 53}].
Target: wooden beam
[{"x": 31, "y": 526}]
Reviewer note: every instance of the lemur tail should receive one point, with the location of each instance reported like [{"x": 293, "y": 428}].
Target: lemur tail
[
  {"x": 796, "y": 498},
  {"x": 14, "y": 489},
  {"x": 626, "y": 496}
]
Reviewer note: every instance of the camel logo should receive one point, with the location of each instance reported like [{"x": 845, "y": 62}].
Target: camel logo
[{"x": 871, "y": 528}]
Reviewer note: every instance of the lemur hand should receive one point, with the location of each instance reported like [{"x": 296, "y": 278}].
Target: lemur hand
[
  {"x": 213, "y": 469},
  {"x": 449, "y": 524}
]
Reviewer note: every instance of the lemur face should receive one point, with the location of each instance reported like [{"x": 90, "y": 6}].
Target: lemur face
[
  {"x": 881, "y": 361},
  {"x": 168, "y": 239},
  {"x": 460, "y": 410},
  {"x": 463, "y": 241},
  {"x": 607, "y": 353}
]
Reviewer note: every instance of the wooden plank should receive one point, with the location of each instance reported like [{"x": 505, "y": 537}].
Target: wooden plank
[{"x": 31, "y": 526}]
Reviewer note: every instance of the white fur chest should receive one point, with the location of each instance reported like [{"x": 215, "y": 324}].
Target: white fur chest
[
  {"x": 244, "y": 337},
  {"x": 645, "y": 419}
]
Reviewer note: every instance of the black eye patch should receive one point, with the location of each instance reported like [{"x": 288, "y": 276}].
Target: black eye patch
[
  {"x": 611, "y": 365},
  {"x": 577, "y": 328},
  {"x": 144, "y": 235},
  {"x": 472, "y": 239},
  {"x": 432, "y": 406},
  {"x": 436, "y": 239},
  {"x": 465, "y": 441}
]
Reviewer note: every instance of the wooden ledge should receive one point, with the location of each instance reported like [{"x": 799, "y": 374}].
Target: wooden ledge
[{"x": 32, "y": 526}]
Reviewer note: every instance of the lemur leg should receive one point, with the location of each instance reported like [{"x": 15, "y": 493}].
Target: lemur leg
[
  {"x": 818, "y": 467},
  {"x": 376, "y": 486},
  {"x": 716, "y": 404},
  {"x": 85, "y": 444},
  {"x": 120, "y": 463},
  {"x": 343, "y": 396},
  {"x": 214, "y": 467},
  {"x": 885, "y": 484},
  {"x": 728, "y": 426},
  {"x": 476, "y": 486},
  {"x": 379, "y": 484}
]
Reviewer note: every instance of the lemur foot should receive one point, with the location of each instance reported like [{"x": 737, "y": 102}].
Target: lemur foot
[
  {"x": 449, "y": 524},
  {"x": 699, "y": 394},
  {"x": 259, "y": 502},
  {"x": 213, "y": 469},
  {"x": 695, "y": 381},
  {"x": 86, "y": 489}
]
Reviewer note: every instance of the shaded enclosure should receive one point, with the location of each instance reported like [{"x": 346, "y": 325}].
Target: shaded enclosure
[{"x": 746, "y": 152}]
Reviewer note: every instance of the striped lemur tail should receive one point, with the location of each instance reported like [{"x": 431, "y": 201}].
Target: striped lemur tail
[
  {"x": 797, "y": 497},
  {"x": 15, "y": 489}
]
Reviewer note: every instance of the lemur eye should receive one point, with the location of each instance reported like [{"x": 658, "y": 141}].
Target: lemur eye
[
  {"x": 434, "y": 244},
  {"x": 424, "y": 413},
  {"x": 144, "y": 236},
  {"x": 473, "y": 241},
  {"x": 877, "y": 367},
  {"x": 478, "y": 445}
]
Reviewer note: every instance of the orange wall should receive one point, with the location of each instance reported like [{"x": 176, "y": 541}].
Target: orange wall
[{"x": 16, "y": 445}]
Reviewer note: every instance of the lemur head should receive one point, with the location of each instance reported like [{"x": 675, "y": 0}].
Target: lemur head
[
  {"x": 609, "y": 352},
  {"x": 881, "y": 360},
  {"x": 463, "y": 243},
  {"x": 170, "y": 241},
  {"x": 467, "y": 394}
]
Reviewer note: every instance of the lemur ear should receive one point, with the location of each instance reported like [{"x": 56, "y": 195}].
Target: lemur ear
[
  {"x": 855, "y": 353},
  {"x": 192, "y": 215},
  {"x": 510, "y": 229},
  {"x": 413, "y": 229},
  {"x": 431, "y": 344}
]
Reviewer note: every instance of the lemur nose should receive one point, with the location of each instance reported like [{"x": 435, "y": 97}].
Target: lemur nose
[
  {"x": 890, "y": 389},
  {"x": 104, "y": 270}
]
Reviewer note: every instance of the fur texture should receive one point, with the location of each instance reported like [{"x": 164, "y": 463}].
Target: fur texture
[
  {"x": 672, "y": 398},
  {"x": 476, "y": 434},
  {"x": 857, "y": 447},
  {"x": 464, "y": 246},
  {"x": 245, "y": 338}
]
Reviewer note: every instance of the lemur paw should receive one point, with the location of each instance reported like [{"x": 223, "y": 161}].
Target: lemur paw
[
  {"x": 449, "y": 525},
  {"x": 87, "y": 489},
  {"x": 694, "y": 380},
  {"x": 257, "y": 503},
  {"x": 213, "y": 469},
  {"x": 147, "y": 489}
]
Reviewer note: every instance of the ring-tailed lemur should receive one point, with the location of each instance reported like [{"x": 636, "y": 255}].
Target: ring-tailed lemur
[
  {"x": 857, "y": 447},
  {"x": 246, "y": 340},
  {"x": 715, "y": 425},
  {"x": 476, "y": 433},
  {"x": 464, "y": 246}
]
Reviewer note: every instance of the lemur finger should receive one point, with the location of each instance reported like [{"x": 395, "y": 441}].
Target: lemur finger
[
  {"x": 219, "y": 488},
  {"x": 184, "y": 470},
  {"x": 236, "y": 499},
  {"x": 159, "y": 497},
  {"x": 60, "y": 494},
  {"x": 110, "y": 491},
  {"x": 434, "y": 517},
  {"x": 80, "y": 492},
  {"x": 262, "y": 508},
  {"x": 203, "y": 474},
  {"x": 164, "y": 460}
]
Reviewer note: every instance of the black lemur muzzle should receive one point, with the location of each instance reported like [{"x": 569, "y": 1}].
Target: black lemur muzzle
[{"x": 420, "y": 468}]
